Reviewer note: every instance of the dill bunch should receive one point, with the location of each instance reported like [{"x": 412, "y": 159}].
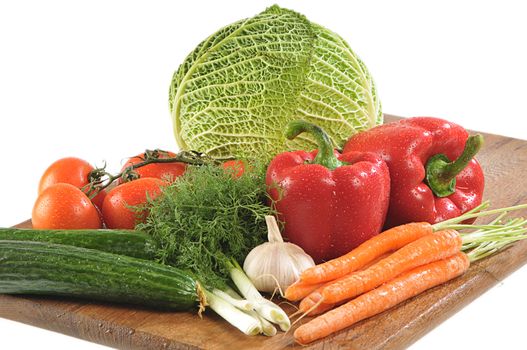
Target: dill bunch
[{"x": 207, "y": 218}]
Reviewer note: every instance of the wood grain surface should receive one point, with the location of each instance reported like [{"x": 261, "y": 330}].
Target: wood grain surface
[{"x": 504, "y": 161}]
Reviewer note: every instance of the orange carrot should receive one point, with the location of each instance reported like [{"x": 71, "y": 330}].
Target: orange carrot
[
  {"x": 432, "y": 247},
  {"x": 389, "y": 240},
  {"x": 300, "y": 290},
  {"x": 383, "y": 298},
  {"x": 308, "y": 305}
]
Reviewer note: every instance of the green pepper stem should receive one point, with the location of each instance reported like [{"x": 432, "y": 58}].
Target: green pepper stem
[
  {"x": 472, "y": 146},
  {"x": 441, "y": 172},
  {"x": 325, "y": 156}
]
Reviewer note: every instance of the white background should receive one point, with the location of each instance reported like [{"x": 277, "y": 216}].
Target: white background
[{"x": 90, "y": 79}]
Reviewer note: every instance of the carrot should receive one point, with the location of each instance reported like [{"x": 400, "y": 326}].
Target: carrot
[
  {"x": 312, "y": 304},
  {"x": 383, "y": 243},
  {"x": 300, "y": 290},
  {"x": 432, "y": 247},
  {"x": 383, "y": 298}
]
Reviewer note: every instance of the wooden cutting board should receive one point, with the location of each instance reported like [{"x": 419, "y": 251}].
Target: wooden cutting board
[{"x": 128, "y": 327}]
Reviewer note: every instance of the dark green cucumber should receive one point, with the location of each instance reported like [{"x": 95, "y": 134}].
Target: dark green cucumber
[
  {"x": 124, "y": 242},
  {"x": 59, "y": 270}
]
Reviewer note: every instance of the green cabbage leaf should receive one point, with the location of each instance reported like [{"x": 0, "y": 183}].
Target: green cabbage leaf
[{"x": 235, "y": 93}]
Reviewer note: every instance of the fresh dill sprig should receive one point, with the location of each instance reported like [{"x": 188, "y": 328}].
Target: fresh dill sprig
[{"x": 207, "y": 217}]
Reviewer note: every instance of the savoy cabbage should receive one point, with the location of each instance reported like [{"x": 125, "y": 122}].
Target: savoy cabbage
[{"x": 235, "y": 93}]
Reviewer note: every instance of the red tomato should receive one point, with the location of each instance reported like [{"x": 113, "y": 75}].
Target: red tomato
[
  {"x": 236, "y": 167},
  {"x": 70, "y": 170},
  {"x": 164, "y": 171},
  {"x": 117, "y": 208},
  {"x": 64, "y": 206}
]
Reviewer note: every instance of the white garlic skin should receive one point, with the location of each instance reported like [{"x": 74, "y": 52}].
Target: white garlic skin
[{"x": 283, "y": 261}]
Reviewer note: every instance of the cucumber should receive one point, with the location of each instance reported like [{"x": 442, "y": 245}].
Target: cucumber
[
  {"x": 42, "y": 268},
  {"x": 124, "y": 242}
]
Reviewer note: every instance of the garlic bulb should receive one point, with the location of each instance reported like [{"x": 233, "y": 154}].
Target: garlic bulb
[{"x": 275, "y": 263}]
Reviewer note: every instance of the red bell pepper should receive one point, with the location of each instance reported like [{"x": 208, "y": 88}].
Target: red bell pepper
[
  {"x": 433, "y": 174},
  {"x": 329, "y": 203}
]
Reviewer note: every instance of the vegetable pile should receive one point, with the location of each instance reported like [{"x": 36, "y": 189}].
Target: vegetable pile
[
  {"x": 358, "y": 217},
  {"x": 185, "y": 250}
]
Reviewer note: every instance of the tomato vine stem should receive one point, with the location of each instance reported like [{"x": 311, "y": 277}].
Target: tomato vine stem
[{"x": 99, "y": 178}]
